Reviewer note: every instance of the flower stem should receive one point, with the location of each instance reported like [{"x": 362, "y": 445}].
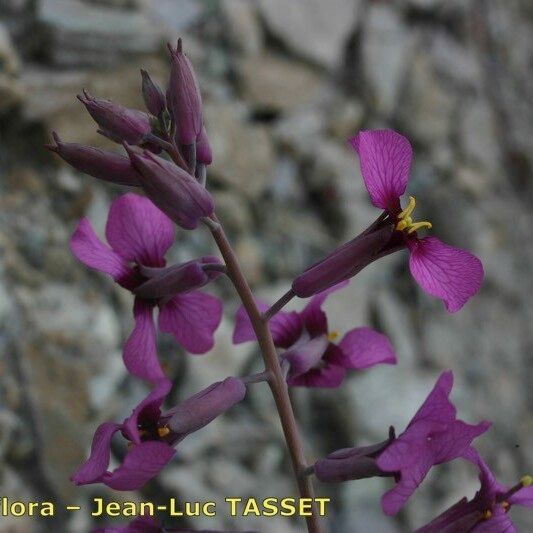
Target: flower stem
[
  {"x": 277, "y": 382},
  {"x": 279, "y": 305}
]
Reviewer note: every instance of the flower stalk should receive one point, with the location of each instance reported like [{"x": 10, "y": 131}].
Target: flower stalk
[{"x": 277, "y": 382}]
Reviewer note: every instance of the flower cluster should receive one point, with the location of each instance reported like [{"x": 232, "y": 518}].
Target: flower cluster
[{"x": 166, "y": 155}]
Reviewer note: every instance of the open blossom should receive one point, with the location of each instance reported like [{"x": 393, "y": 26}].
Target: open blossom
[
  {"x": 153, "y": 435},
  {"x": 449, "y": 273},
  {"x": 433, "y": 436},
  {"x": 314, "y": 359},
  {"x": 139, "y": 235},
  {"x": 488, "y": 510}
]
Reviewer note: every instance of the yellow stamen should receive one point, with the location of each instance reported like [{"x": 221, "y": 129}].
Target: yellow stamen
[
  {"x": 526, "y": 481},
  {"x": 506, "y": 506},
  {"x": 417, "y": 225},
  {"x": 409, "y": 209},
  {"x": 406, "y": 223},
  {"x": 332, "y": 335},
  {"x": 163, "y": 431},
  {"x": 143, "y": 433},
  {"x": 487, "y": 514}
]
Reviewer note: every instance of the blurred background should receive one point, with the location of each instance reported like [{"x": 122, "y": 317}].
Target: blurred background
[{"x": 284, "y": 83}]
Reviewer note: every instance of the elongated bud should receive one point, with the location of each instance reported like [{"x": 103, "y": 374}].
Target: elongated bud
[
  {"x": 351, "y": 463},
  {"x": 97, "y": 163},
  {"x": 154, "y": 98},
  {"x": 203, "y": 149},
  {"x": 343, "y": 263},
  {"x": 117, "y": 122},
  {"x": 172, "y": 189},
  {"x": 183, "y": 98},
  {"x": 164, "y": 282},
  {"x": 206, "y": 405}
]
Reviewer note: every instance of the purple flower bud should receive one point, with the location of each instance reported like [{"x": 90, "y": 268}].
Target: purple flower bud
[
  {"x": 203, "y": 149},
  {"x": 206, "y": 405},
  {"x": 183, "y": 98},
  {"x": 343, "y": 263},
  {"x": 352, "y": 463},
  {"x": 172, "y": 189},
  {"x": 100, "y": 164},
  {"x": 117, "y": 122},
  {"x": 152, "y": 94},
  {"x": 185, "y": 277}
]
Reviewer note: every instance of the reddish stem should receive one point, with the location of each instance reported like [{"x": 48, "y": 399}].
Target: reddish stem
[{"x": 277, "y": 383}]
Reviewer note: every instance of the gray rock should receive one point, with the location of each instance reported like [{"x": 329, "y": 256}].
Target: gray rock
[
  {"x": 386, "y": 48},
  {"x": 89, "y": 34},
  {"x": 313, "y": 29},
  {"x": 273, "y": 83},
  {"x": 242, "y": 153},
  {"x": 243, "y": 29}
]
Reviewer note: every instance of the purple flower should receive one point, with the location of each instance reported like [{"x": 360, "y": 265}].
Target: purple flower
[
  {"x": 139, "y": 235},
  {"x": 153, "y": 434},
  {"x": 172, "y": 189},
  {"x": 117, "y": 122},
  {"x": 183, "y": 98},
  {"x": 487, "y": 511},
  {"x": 433, "y": 436},
  {"x": 204, "y": 154},
  {"x": 314, "y": 359},
  {"x": 153, "y": 96},
  {"x": 452, "y": 274},
  {"x": 107, "y": 166}
]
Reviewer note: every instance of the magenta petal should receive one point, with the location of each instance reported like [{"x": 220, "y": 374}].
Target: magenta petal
[
  {"x": 314, "y": 319},
  {"x": 147, "y": 412},
  {"x": 285, "y": 327},
  {"x": 140, "y": 350},
  {"x": 523, "y": 497},
  {"x": 452, "y": 274},
  {"x": 410, "y": 479},
  {"x": 138, "y": 230},
  {"x": 329, "y": 376},
  {"x": 192, "y": 318},
  {"x": 142, "y": 462},
  {"x": 95, "y": 467},
  {"x": 364, "y": 347},
  {"x": 385, "y": 158},
  {"x": 91, "y": 251},
  {"x": 437, "y": 406},
  {"x": 304, "y": 356}
]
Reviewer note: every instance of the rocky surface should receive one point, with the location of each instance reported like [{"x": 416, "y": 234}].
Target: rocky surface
[{"x": 284, "y": 86}]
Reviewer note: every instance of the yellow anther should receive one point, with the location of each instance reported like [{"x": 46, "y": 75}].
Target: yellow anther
[
  {"x": 506, "y": 506},
  {"x": 487, "y": 514},
  {"x": 332, "y": 335},
  {"x": 163, "y": 431},
  {"x": 417, "y": 225},
  {"x": 526, "y": 481},
  {"x": 405, "y": 222},
  {"x": 143, "y": 433},
  {"x": 409, "y": 209}
]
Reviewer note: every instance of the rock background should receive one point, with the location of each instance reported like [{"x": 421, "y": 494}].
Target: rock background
[{"x": 284, "y": 84}]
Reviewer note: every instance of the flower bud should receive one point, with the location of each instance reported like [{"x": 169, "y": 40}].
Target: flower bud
[
  {"x": 185, "y": 277},
  {"x": 206, "y": 405},
  {"x": 117, "y": 122},
  {"x": 97, "y": 163},
  {"x": 203, "y": 149},
  {"x": 183, "y": 98},
  {"x": 154, "y": 98},
  {"x": 172, "y": 189},
  {"x": 343, "y": 263}
]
